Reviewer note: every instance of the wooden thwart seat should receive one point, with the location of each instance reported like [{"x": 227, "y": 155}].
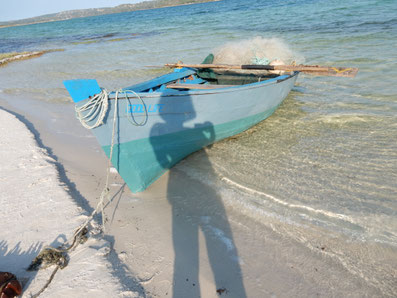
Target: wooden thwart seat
[{"x": 197, "y": 86}]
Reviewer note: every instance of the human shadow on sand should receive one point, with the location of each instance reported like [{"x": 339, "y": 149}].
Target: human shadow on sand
[{"x": 195, "y": 206}]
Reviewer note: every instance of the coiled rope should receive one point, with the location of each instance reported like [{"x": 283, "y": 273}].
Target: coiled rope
[{"x": 97, "y": 106}]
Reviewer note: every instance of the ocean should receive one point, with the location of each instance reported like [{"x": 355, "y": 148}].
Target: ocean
[{"x": 322, "y": 169}]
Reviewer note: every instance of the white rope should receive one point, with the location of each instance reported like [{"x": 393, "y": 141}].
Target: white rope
[
  {"x": 131, "y": 117},
  {"x": 105, "y": 191},
  {"x": 97, "y": 106}
]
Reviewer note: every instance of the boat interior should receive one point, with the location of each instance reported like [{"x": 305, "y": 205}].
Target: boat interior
[{"x": 205, "y": 79}]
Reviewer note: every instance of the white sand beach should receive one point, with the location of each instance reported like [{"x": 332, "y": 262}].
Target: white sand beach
[{"x": 37, "y": 211}]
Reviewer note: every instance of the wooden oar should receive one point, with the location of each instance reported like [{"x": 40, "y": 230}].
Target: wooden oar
[{"x": 310, "y": 69}]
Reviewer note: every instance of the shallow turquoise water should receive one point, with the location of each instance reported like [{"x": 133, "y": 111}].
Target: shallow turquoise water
[{"x": 325, "y": 162}]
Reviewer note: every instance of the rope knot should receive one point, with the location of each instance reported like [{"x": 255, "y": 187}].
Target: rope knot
[{"x": 49, "y": 256}]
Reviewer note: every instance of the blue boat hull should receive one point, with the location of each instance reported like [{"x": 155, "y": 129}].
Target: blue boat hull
[{"x": 176, "y": 123}]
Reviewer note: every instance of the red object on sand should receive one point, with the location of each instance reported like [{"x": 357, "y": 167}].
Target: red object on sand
[{"x": 9, "y": 285}]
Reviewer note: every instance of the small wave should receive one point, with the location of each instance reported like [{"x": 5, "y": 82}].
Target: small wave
[
  {"x": 111, "y": 37},
  {"x": 85, "y": 42},
  {"x": 385, "y": 22},
  {"x": 294, "y": 206},
  {"x": 362, "y": 60},
  {"x": 345, "y": 118},
  {"x": 100, "y": 36},
  {"x": 201, "y": 12}
]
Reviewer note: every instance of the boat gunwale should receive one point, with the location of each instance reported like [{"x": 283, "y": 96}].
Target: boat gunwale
[{"x": 232, "y": 88}]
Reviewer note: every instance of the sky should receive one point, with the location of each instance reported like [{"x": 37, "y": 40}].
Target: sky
[{"x": 22, "y": 9}]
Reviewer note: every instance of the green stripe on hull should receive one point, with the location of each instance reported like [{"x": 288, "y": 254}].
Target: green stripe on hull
[{"x": 141, "y": 162}]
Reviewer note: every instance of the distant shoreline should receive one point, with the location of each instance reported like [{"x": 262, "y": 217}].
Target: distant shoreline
[{"x": 94, "y": 13}]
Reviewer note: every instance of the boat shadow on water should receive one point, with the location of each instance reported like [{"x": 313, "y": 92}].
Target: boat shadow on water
[{"x": 196, "y": 206}]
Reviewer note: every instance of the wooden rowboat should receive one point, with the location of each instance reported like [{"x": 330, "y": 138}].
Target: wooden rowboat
[{"x": 153, "y": 125}]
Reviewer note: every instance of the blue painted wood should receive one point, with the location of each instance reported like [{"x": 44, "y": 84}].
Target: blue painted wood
[
  {"x": 82, "y": 89},
  {"x": 156, "y": 154},
  {"x": 161, "y": 80}
]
